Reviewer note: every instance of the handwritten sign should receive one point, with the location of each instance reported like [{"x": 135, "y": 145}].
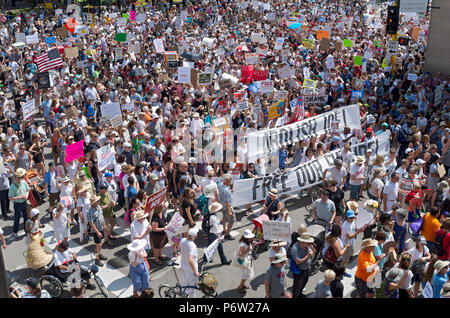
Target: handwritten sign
[
  {"x": 211, "y": 250},
  {"x": 174, "y": 225},
  {"x": 104, "y": 156},
  {"x": 155, "y": 199},
  {"x": 74, "y": 151},
  {"x": 276, "y": 230},
  {"x": 29, "y": 108}
]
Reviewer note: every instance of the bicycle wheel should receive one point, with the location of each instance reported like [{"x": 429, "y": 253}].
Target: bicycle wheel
[
  {"x": 210, "y": 296},
  {"x": 102, "y": 286},
  {"x": 166, "y": 291},
  {"x": 52, "y": 285},
  {"x": 98, "y": 295}
]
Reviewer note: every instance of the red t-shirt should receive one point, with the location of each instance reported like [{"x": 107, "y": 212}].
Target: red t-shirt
[{"x": 445, "y": 246}]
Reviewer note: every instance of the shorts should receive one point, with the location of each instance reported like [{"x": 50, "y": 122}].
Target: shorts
[
  {"x": 97, "y": 240},
  {"x": 229, "y": 218},
  {"x": 110, "y": 220},
  {"x": 347, "y": 255},
  {"x": 362, "y": 289},
  {"x": 53, "y": 199}
]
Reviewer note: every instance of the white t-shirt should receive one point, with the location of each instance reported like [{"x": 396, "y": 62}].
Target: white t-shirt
[
  {"x": 415, "y": 254},
  {"x": 338, "y": 175},
  {"x": 376, "y": 184},
  {"x": 61, "y": 222},
  {"x": 84, "y": 204},
  {"x": 63, "y": 258},
  {"x": 348, "y": 228},
  {"x": 132, "y": 256},
  {"x": 188, "y": 248},
  {"x": 137, "y": 229},
  {"x": 357, "y": 171},
  {"x": 1, "y": 231},
  {"x": 391, "y": 190},
  {"x": 206, "y": 182},
  {"x": 407, "y": 284}
]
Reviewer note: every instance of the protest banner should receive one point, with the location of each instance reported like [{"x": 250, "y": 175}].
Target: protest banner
[
  {"x": 155, "y": 199},
  {"x": 416, "y": 6},
  {"x": 267, "y": 141},
  {"x": 74, "y": 151},
  {"x": 104, "y": 157},
  {"x": 29, "y": 108},
  {"x": 276, "y": 230},
  {"x": 211, "y": 250},
  {"x": 174, "y": 225},
  {"x": 111, "y": 110},
  {"x": 260, "y": 75},
  {"x": 303, "y": 176},
  {"x": 277, "y": 109}
]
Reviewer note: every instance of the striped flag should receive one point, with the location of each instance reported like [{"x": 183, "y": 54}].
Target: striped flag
[{"x": 49, "y": 61}]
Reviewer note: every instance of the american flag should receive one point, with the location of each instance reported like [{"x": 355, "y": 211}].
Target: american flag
[{"x": 49, "y": 61}]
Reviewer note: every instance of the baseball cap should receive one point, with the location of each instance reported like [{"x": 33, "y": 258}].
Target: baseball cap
[
  {"x": 108, "y": 174},
  {"x": 193, "y": 231},
  {"x": 127, "y": 144},
  {"x": 350, "y": 214}
]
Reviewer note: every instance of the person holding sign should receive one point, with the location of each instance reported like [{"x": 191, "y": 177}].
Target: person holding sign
[
  {"x": 272, "y": 205},
  {"x": 189, "y": 262},
  {"x": 244, "y": 260},
  {"x": 367, "y": 267},
  {"x": 158, "y": 236},
  {"x": 212, "y": 227}
]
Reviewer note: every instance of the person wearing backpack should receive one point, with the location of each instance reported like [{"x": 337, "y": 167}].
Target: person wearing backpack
[
  {"x": 442, "y": 241},
  {"x": 210, "y": 225},
  {"x": 300, "y": 258}
]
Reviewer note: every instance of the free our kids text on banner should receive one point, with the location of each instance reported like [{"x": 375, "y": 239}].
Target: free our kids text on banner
[
  {"x": 74, "y": 151},
  {"x": 265, "y": 142},
  {"x": 302, "y": 176}
]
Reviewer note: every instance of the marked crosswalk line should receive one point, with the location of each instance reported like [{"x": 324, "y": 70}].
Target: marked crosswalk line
[{"x": 115, "y": 281}]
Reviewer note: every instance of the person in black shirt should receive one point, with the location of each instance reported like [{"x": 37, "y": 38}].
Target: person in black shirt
[
  {"x": 337, "y": 196},
  {"x": 336, "y": 286},
  {"x": 78, "y": 134}
]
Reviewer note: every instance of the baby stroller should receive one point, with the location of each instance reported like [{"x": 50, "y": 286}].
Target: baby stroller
[
  {"x": 318, "y": 232},
  {"x": 36, "y": 186},
  {"x": 261, "y": 245}
]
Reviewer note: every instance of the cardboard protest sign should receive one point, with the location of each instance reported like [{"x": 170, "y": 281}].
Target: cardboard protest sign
[
  {"x": 72, "y": 112},
  {"x": 265, "y": 86},
  {"x": 227, "y": 83},
  {"x": 174, "y": 225},
  {"x": 29, "y": 109},
  {"x": 279, "y": 44},
  {"x": 338, "y": 45},
  {"x": 412, "y": 77},
  {"x": 21, "y": 37},
  {"x": 104, "y": 157},
  {"x": 286, "y": 72},
  {"x": 141, "y": 17},
  {"x": 277, "y": 109},
  {"x": 242, "y": 105},
  {"x": 172, "y": 64},
  {"x": 118, "y": 53},
  {"x": 309, "y": 83},
  {"x": 155, "y": 199},
  {"x": 74, "y": 151},
  {"x": 364, "y": 217},
  {"x": 71, "y": 52},
  {"x": 279, "y": 95},
  {"x": 134, "y": 48},
  {"x": 50, "y": 40},
  {"x": 324, "y": 45},
  {"x": 414, "y": 35},
  {"x": 277, "y": 230}
]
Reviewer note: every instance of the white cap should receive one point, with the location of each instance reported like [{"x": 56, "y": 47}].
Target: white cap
[
  {"x": 248, "y": 234},
  {"x": 420, "y": 161},
  {"x": 34, "y": 212},
  {"x": 408, "y": 150},
  {"x": 127, "y": 144}
]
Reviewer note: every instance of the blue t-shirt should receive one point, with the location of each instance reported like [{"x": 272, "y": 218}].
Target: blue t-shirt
[
  {"x": 377, "y": 252},
  {"x": 282, "y": 159},
  {"x": 438, "y": 282}
]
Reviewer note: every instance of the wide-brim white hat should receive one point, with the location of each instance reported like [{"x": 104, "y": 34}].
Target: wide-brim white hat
[{"x": 136, "y": 245}]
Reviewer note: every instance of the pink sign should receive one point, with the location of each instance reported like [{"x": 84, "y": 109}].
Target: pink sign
[
  {"x": 74, "y": 151},
  {"x": 132, "y": 15}
]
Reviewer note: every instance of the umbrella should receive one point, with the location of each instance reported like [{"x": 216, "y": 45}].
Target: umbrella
[
  {"x": 242, "y": 48},
  {"x": 192, "y": 56},
  {"x": 294, "y": 26}
]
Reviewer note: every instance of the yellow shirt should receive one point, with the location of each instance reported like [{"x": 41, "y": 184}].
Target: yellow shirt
[
  {"x": 430, "y": 226},
  {"x": 364, "y": 261}
]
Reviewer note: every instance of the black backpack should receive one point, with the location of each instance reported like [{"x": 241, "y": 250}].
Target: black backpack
[
  {"x": 438, "y": 243},
  {"x": 206, "y": 226}
]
